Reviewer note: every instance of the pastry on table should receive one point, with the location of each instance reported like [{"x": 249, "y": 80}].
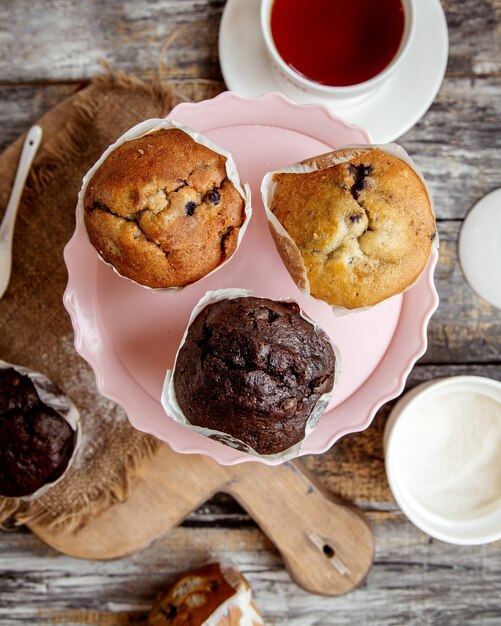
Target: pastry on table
[
  {"x": 254, "y": 369},
  {"x": 163, "y": 209},
  {"x": 39, "y": 432},
  {"x": 208, "y": 595},
  {"x": 353, "y": 227}
]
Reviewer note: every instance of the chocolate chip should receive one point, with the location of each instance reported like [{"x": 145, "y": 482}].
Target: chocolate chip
[
  {"x": 171, "y": 611},
  {"x": 190, "y": 207},
  {"x": 224, "y": 236},
  {"x": 213, "y": 197},
  {"x": 356, "y": 217},
  {"x": 359, "y": 172},
  {"x": 432, "y": 237}
]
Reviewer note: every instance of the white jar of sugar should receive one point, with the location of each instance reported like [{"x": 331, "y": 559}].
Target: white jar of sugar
[{"x": 443, "y": 458}]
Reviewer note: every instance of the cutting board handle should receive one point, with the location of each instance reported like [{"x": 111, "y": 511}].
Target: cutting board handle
[{"x": 327, "y": 546}]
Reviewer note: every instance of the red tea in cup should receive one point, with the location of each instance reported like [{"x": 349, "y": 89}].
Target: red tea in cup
[{"x": 338, "y": 42}]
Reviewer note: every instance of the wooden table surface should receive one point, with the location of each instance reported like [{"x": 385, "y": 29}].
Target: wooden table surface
[{"x": 48, "y": 48}]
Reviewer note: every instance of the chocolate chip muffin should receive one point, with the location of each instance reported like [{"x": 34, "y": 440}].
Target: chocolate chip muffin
[
  {"x": 253, "y": 368},
  {"x": 162, "y": 210},
  {"x": 363, "y": 227},
  {"x": 37, "y": 442}
]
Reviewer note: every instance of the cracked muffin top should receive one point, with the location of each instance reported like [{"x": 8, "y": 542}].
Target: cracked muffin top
[
  {"x": 37, "y": 442},
  {"x": 364, "y": 227},
  {"x": 253, "y": 368},
  {"x": 162, "y": 210}
]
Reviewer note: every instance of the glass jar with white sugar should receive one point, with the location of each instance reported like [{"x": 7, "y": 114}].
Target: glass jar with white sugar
[{"x": 443, "y": 461}]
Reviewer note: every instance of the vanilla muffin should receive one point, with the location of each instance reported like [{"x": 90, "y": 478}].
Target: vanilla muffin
[
  {"x": 207, "y": 595},
  {"x": 363, "y": 227},
  {"x": 162, "y": 210}
]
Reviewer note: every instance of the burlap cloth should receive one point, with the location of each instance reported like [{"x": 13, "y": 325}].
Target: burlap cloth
[{"x": 35, "y": 329}]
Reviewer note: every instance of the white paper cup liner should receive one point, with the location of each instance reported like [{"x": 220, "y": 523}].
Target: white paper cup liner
[
  {"x": 145, "y": 128},
  {"x": 295, "y": 263},
  {"x": 54, "y": 398},
  {"x": 174, "y": 411},
  {"x": 238, "y": 609}
]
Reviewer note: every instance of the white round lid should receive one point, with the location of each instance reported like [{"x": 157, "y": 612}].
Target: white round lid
[{"x": 480, "y": 248}]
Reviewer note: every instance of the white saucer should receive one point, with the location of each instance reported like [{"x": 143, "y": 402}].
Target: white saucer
[
  {"x": 387, "y": 113},
  {"x": 480, "y": 248}
]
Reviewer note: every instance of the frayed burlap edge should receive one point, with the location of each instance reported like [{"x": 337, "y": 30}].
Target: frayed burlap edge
[
  {"x": 76, "y": 131},
  {"x": 15, "y": 512},
  {"x": 67, "y": 144}
]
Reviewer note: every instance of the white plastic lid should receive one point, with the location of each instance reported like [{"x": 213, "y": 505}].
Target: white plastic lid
[{"x": 480, "y": 248}]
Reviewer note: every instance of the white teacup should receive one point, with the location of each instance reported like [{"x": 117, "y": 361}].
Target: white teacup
[{"x": 304, "y": 89}]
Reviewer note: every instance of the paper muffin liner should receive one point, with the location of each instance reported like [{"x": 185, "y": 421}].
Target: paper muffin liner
[
  {"x": 239, "y": 609},
  {"x": 150, "y": 126},
  {"x": 174, "y": 411},
  {"x": 294, "y": 262},
  {"x": 53, "y": 397}
]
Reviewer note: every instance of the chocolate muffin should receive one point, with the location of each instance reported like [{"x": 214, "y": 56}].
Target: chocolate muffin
[
  {"x": 363, "y": 228},
  {"x": 162, "y": 210},
  {"x": 253, "y": 368},
  {"x": 37, "y": 442}
]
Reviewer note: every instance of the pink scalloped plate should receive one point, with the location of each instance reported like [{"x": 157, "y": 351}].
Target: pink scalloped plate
[{"x": 130, "y": 335}]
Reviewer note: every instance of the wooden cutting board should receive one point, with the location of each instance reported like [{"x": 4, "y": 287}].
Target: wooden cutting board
[{"x": 327, "y": 546}]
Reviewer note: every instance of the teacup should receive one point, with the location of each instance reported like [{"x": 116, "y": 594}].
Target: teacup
[{"x": 303, "y": 86}]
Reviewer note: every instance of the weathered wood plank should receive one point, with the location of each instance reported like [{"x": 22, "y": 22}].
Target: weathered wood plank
[
  {"x": 409, "y": 575},
  {"x": 21, "y": 105},
  {"x": 63, "y": 40},
  {"x": 474, "y": 36},
  {"x": 75, "y": 35},
  {"x": 465, "y": 327},
  {"x": 457, "y": 144}
]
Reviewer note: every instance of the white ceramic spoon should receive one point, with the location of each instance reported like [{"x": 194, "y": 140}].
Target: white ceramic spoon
[{"x": 30, "y": 148}]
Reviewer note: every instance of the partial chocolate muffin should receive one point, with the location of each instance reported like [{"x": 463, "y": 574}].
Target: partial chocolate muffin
[
  {"x": 17, "y": 392},
  {"x": 162, "y": 210},
  {"x": 253, "y": 368},
  {"x": 362, "y": 225},
  {"x": 37, "y": 443}
]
